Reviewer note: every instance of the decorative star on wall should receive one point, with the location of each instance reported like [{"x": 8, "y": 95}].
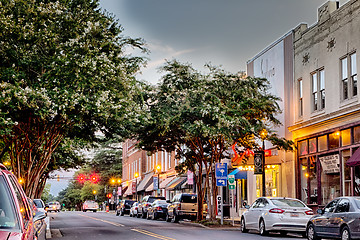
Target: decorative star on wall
[
  {"x": 331, "y": 44},
  {"x": 306, "y": 58}
]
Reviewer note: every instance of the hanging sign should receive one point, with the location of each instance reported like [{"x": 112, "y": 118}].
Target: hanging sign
[
  {"x": 330, "y": 164},
  {"x": 259, "y": 162}
]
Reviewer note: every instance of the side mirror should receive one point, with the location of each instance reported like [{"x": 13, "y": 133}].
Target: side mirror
[
  {"x": 39, "y": 216},
  {"x": 247, "y": 206},
  {"x": 320, "y": 211},
  {"x": 168, "y": 201}
]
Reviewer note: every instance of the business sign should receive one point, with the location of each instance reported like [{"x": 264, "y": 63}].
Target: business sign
[
  {"x": 156, "y": 183},
  {"x": 190, "y": 178},
  {"x": 133, "y": 187},
  {"x": 330, "y": 164},
  {"x": 119, "y": 191},
  {"x": 259, "y": 162},
  {"x": 221, "y": 182},
  {"x": 231, "y": 179},
  {"x": 218, "y": 204},
  {"x": 221, "y": 170}
]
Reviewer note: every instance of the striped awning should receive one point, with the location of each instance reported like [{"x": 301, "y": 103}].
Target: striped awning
[
  {"x": 176, "y": 183},
  {"x": 166, "y": 181},
  {"x": 145, "y": 182}
]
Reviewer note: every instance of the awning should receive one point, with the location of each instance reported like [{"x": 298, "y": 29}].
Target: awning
[
  {"x": 166, "y": 181},
  {"x": 354, "y": 160},
  {"x": 150, "y": 188},
  {"x": 239, "y": 174},
  {"x": 128, "y": 191},
  {"x": 185, "y": 185},
  {"x": 123, "y": 190},
  {"x": 148, "y": 179},
  {"x": 176, "y": 183}
]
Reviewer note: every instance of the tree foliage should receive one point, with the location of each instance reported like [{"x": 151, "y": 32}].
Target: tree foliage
[
  {"x": 202, "y": 115},
  {"x": 64, "y": 74}
]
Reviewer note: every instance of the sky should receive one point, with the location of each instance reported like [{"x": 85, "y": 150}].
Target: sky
[{"x": 224, "y": 33}]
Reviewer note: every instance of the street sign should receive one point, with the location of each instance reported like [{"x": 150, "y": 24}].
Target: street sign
[
  {"x": 218, "y": 203},
  {"x": 231, "y": 179},
  {"x": 221, "y": 182},
  {"x": 221, "y": 170},
  {"x": 156, "y": 183},
  {"x": 259, "y": 162}
]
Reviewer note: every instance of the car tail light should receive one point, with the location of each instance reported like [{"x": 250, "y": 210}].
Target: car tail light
[
  {"x": 159, "y": 208},
  {"x": 147, "y": 205},
  {"x": 179, "y": 206},
  {"x": 276, "y": 210},
  {"x": 310, "y": 212},
  {"x": 136, "y": 208}
]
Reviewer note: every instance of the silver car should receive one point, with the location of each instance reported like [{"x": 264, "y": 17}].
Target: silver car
[
  {"x": 134, "y": 209},
  {"x": 339, "y": 219},
  {"x": 276, "y": 214}
]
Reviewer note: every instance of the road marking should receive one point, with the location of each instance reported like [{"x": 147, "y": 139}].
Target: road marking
[
  {"x": 105, "y": 221},
  {"x": 152, "y": 234}
]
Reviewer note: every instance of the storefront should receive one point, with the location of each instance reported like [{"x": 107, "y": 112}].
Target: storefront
[{"x": 322, "y": 170}]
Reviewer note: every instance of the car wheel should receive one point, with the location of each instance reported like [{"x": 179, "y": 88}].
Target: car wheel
[
  {"x": 130, "y": 214},
  {"x": 138, "y": 215},
  {"x": 167, "y": 218},
  {"x": 121, "y": 212},
  {"x": 311, "y": 234},
  {"x": 242, "y": 226},
  {"x": 94, "y": 210},
  {"x": 175, "y": 218},
  {"x": 143, "y": 215},
  {"x": 262, "y": 229},
  {"x": 345, "y": 233},
  {"x": 148, "y": 216},
  {"x": 117, "y": 213},
  {"x": 154, "y": 217},
  {"x": 283, "y": 233}
]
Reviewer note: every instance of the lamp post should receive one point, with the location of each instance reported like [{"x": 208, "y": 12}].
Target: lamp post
[
  {"x": 136, "y": 175},
  {"x": 115, "y": 182},
  {"x": 263, "y": 135},
  {"x": 158, "y": 169},
  {"x": 94, "y": 192}
]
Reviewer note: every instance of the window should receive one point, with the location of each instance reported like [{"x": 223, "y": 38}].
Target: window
[
  {"x": 318, "y": 89},
  {"x": 312, "y": 145},
  {"x": 334, "y": 140},
  {"x": 314, "y": 92},
  {"x": 300, "y": 98},
  {"x": 346, "y": 137},
  {"x": 343, "y": 206},
  {"x": 348, "y": 83},
  {"x": 303, "y": 147},
  {"x": 322, "y": 141},
  {"x": 356, "y": 134},
  {"x": 331, "y": 206}
]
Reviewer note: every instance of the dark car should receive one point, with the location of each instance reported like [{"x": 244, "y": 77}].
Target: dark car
[
  {"x": 124, "y": 207},
  {"x": 184, "y": 206},
  {"x": 145, "y": 204},
  {"x": 158, "y": 209},
  {"x": 16, "y": 214},
  {"x": 339, "y": 219}
]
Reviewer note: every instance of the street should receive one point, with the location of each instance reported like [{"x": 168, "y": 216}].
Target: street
[{"x": 104, "y": 226}]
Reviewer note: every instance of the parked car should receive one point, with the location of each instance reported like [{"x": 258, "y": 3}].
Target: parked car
[
  {"x": 124, "y": 207},
  {"x": 40, "y": 206},
  {"x": 40, "y": 225},
  {"x": 183, "y": 206},
  {"x": 134, "y": 209},
  {"x": 276, "y": 214},
  {"x": 339, "y": 219},
  {"x": 54, "y": 206},
  {"x": 145, "y": 204},
  {"x": 158, "y": 209},
  {"x": 90, "y": 205},
  {"x": 16, "y": 216}
]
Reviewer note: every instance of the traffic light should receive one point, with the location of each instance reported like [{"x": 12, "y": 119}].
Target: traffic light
[
  {"x": 94, "y": 178},
  {"x": 81, "y": 178},
  {"x": 109, "y": 195}
]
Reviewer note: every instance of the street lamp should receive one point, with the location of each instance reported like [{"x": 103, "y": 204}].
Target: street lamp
[
  {"x": 158, "y": 169},
  {"x": 136, "y": 175},
  {"x": 263, "y": 135},
  {"x": 94, "y": 192}
]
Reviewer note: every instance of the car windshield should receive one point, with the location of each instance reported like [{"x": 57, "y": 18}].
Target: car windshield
[
  {"x": 189, "y": 199},
  {"x": 357, "y": 201},
  {"x": 287, "y": 203},
  {"x": 39, "y": 203},
  {"x": 8, "y": 219},
  {"x": 129, "y": 202},
  {"x": 151, "y": 200},
  {"x": 161, "y": 202}
]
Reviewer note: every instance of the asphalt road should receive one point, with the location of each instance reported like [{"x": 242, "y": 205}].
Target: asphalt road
[{"x": 107, "y": 226}]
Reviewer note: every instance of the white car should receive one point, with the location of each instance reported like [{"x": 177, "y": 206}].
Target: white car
[
  {"x": 276, "y": 214},
  {"x": 134, "y": 209},
  {"x": 54, "y": 206},
  {"x": 90, "y": 205}
]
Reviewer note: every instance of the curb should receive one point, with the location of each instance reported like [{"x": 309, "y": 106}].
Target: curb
[{"x": 48, "y": 234}]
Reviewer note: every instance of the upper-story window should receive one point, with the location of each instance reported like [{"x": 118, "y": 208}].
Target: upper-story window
[
  {"x": 300, "y": 97},
  {"x": 348, "y": 81},
  {"x": 318, "y": 89}
]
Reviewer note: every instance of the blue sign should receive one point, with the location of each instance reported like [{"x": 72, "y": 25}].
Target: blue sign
[
  {"x": 156, "y": 183},
  {"x": 221, "y": 171},
  {"x": 220, "y": 182}
]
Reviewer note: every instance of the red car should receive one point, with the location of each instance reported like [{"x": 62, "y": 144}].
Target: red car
[{"x": 16, "y": 217}]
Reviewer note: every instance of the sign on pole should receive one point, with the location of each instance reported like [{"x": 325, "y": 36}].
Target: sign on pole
[
  {"x": 221, "y": 170},
  {"x": 221, "y": 182},
  {"x": 231, "y": 179},
  {"x": 218, "y": 204},
  {"x": 156, "y": 183},
  {"x": 259, "y": 162}
]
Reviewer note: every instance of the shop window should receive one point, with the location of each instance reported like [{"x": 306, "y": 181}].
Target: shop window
[
  {"x": 304, "y": 175},
  {"x": 272, "y": 178},
  {"x": 346, "y": 170},
  {"x": 346, "y": 137},
  {"x": 322, "y": 143},
  {"x": 301, "y": 108},
  {"x": 357, "y": 134},
  {"x": 303, "y": 148},
  {"x": 312, "y": 145},
  {"x": 313, "y": 180},
  {"x": 330, "y": 177},
  {"x": 334, "y": 140}
]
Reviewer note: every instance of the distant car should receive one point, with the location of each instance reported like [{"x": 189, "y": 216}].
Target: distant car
[
  {"x": 16, "y": 214},
  {"x": 276, "y": 214},
  {"x": 339, "y": 219},
  {"x": 40, "y": 205},
  {"x": 54, "y": 206},
  {"x": 145, "y": 204},
  {"x": 158, "y": 209},
  {"x": 90, "y": 205},
  {"x": 124, "y": 207},
  {"x": 184, "y": 206},
  {"x": 134, "y": 209}
]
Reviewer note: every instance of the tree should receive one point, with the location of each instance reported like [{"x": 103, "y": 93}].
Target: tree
[
  {"x": 64, "y": 73},
  {"x": 202, "y": 115}
]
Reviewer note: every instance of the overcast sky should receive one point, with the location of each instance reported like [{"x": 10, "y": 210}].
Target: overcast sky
[{"x": 221, "y": 32}]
